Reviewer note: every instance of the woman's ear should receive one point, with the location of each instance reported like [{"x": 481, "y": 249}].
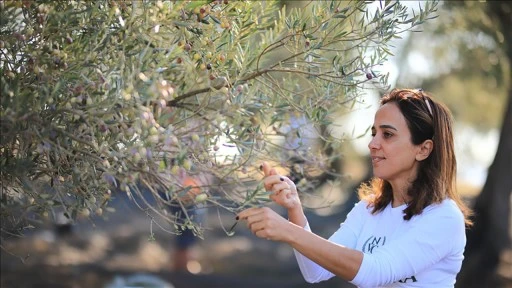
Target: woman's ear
[{"x": 425, "y": 150}]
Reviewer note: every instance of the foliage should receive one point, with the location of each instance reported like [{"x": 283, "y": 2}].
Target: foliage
[
  {"x": 471, "y": 70},
  {"x": 105, "y": 97}
]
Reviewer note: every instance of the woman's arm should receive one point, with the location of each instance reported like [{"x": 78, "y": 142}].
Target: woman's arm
[
  {"x": 345, "y": 236},
  {"x": 285, "y": 194},
  {"x": 341, "y": 261}
]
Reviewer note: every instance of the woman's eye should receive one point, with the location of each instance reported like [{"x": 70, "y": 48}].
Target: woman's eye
[
  {"x": 387, "y": 134},
  {"x": 373, "y": 134}
]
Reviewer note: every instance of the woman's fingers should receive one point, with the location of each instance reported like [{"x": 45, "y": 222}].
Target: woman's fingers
[
  {"x": 267, "y": 170},
  {"x": 280, "y": 197},
  {"x": 283, "y": 189},
  {"x": 272, "y": 180},
  {"x": 263, "y": 222},
  {"x": 276, "y": 185},
  {"x": 248, "y": 212},
  {"x": 257, "y": 226},
  {"x": 255, "y": 215},
  {"x": 276, "y": 188},
  {"x": 252, "y": 216},
  {"x": 285, "y": 199}
]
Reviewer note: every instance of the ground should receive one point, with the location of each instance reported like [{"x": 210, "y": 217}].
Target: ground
[
  {"x": 107, "y": 253},
  {"x": 101, "y": 253}
]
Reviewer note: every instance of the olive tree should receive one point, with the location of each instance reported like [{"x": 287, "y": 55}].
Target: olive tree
[{"x": 104, "y": 97}]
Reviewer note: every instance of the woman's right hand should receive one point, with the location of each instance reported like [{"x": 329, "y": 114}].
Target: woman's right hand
[{"x": 284, "y": 191}]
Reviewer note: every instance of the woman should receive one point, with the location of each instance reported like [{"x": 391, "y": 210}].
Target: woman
[{"x": 408, "y": 230}]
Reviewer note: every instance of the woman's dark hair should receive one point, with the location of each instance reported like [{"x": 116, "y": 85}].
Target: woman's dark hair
[{"x": 436, "y": 177}]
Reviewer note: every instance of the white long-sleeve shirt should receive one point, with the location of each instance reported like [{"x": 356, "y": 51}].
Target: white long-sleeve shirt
[{"x": 426, "y": 251}]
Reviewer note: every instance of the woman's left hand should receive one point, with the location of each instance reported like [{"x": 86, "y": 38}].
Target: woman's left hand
[{"x": 265, "y": 223}]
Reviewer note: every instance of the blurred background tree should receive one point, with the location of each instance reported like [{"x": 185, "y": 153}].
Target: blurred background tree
[{"x": 105, "y": 97}]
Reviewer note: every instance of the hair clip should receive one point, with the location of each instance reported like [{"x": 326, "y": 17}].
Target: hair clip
[
  {"x": 426, "y": 101},
  {"x": 428, "y": 106}
]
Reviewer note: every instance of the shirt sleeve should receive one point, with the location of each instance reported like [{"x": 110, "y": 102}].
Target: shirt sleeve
[
  {"x": 346, "y": 235},
  {"x": 436, "y": 234}
]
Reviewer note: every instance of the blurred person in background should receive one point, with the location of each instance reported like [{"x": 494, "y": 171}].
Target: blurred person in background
[
  {"x": 189, "y": 183},
  {"x": 185, "y": 238}
]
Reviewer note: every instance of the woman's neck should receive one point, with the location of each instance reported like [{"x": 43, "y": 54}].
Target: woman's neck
[{"x": 400, "y": 194}]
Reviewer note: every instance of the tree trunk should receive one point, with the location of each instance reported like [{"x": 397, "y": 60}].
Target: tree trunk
[{"x": 490, "y": 235}]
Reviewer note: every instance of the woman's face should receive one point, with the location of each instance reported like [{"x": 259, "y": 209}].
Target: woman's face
[{"x": 392, "y": 152}]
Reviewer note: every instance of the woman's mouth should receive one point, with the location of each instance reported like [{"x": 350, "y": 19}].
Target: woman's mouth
[{"x": 376, "y": 159}]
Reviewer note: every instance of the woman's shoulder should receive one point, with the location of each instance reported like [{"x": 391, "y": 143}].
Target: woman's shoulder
[
  {"x": 442, "y": 220},
  {"x": 447, "y": 204},
  {"x": 446, "y": 209},
  {"x": 363, "y": 206},
  {"x": 359, "y": 212}
]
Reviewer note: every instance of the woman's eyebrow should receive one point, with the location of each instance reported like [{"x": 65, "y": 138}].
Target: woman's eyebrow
[{"x": 386, "y": 126}]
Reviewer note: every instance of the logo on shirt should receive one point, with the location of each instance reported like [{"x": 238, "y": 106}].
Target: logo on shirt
[
  {"x": 412, "y": 279},
  {"x": 372, "y": 243}
]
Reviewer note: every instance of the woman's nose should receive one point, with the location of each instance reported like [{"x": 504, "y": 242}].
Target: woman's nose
[{"x": 374, "y": 143}]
